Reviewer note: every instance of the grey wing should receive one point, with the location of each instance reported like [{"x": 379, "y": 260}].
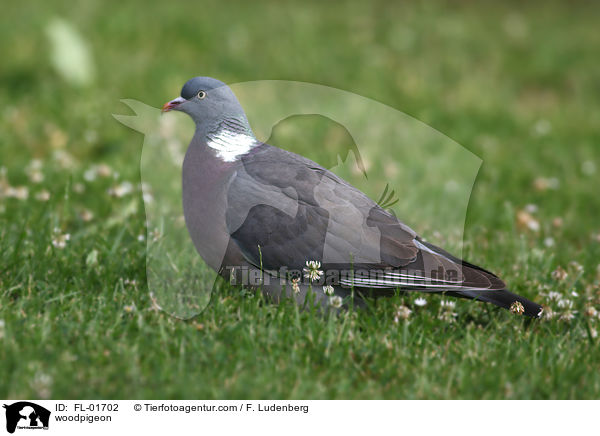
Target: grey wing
[{"x": 284, "y": 210}]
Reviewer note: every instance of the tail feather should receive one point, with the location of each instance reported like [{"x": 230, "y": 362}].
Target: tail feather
[{"x": 503, "y": 298}]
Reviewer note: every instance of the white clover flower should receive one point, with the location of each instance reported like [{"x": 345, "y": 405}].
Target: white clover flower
[
  {"x": 312, "y": 270},
  {"x": 403, "y": 312},
  {"x": 559, "y": 274},
  {"x": 553, "y": 295},
  {"x": 18, "y": 192},
  {"x": 36, "y": 177},
  {"x": 147, "y": 196},
  {"x": 43, "y": 195},
  {"x": 447, "y": 304},
  {"x": 447, "y": 316},
  {"x": 121, "y": 190},
  {"x": 335, "y": 301},
  {"x": 328, "y": 290},
  {"x": 420, "y": 302},
  {"x": 79, "y": 188},
  {"x": 563, "y": 303},
  {"x": 90, "y": 174},
  {"x": 103, "y": 170},
  {"x": 548, "y": 313},
  {"x": 295, "y": 285},
  {"x": 86, "y": 215},
  {"x": 517, "y": 308},
  {"x": 588, "y": 168},
  {"x": 33, "y": 171},
  {"x": 60, "y": 240},
  {"x": 568, "y": 315}
]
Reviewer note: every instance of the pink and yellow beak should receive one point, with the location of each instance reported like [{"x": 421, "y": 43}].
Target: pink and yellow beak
[{"x": 170, "y": 105}]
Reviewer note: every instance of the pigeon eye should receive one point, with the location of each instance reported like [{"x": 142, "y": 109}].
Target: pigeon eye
[{"x": 201, "y": 94}]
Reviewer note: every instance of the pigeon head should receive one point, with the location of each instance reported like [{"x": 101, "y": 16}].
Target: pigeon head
[{"x": 207, "y": 101}]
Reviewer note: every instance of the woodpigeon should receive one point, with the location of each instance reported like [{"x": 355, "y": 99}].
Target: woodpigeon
[{"x": 257, "y": 212}]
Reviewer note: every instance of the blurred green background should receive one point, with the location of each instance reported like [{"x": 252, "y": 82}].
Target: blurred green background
[{"x": 516, "y": 84}]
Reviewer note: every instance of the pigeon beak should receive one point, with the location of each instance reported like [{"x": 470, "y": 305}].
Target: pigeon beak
[{"x": 170, "y": 105}]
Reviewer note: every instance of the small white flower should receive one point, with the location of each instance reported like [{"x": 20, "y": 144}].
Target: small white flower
[
  {"x": 295, "y": 285},
  {"x": 43, "y": 195},
  {"x": 33, "y": 170},
  {"x": 79, "y": 188},
  {"x": 447, "y": 316},
  {"x": 60, "y": 240},
  {"x": 517, "y": 308},
  {"x": 121, "y": 190},
  {"x": 448, "y": 305},
  {"x": 129, "y": 308},
  {"x": 549, "y": 242},
  {"x": 588, "y": 168},
  {"x": 36, "y": 176},
  {"x": 141, "y": 238},
  {"x": 420, "y": 302},
  {"x": 542, "y": 127},
  {"x": 86, "y": 215},
  {"x": 563, "y": 303},
  {"x": 576, "y": 266},
  {"x": 559, "y": 274},
  {"x": 18, "y": 192},
  {"x": 147, "y": 197},
  {"x": 548, "y": 313},
  {"x": 156, "y": 235},
  {"x": 103, "y": 170},
  {"x": 90, "y": 174},
  {"x": 335, "y": 301},
  {"x": 403, "y": 312},
  {"x": 568, "y": 315},
  {"x": 531, "y": 208},
  {"x": 312, "y": 270},
  {"x": 328, "y": 289},
  {"x": 553, "y": 295}
]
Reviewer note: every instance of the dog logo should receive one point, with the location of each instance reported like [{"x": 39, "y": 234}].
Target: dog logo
[{"x": 26, "y": 415}]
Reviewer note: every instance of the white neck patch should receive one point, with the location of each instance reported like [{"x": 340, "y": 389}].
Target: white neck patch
[{"x": 230, "y": 145}]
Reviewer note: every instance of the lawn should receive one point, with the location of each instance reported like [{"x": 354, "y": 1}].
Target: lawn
[{"x": 515, "y": 85}]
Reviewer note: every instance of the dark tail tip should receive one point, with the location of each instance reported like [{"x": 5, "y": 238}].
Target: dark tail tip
[{"x": 505, "y": 299}]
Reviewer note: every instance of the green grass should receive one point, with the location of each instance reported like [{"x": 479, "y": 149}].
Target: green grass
[{"x": 515, "y": 84}]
